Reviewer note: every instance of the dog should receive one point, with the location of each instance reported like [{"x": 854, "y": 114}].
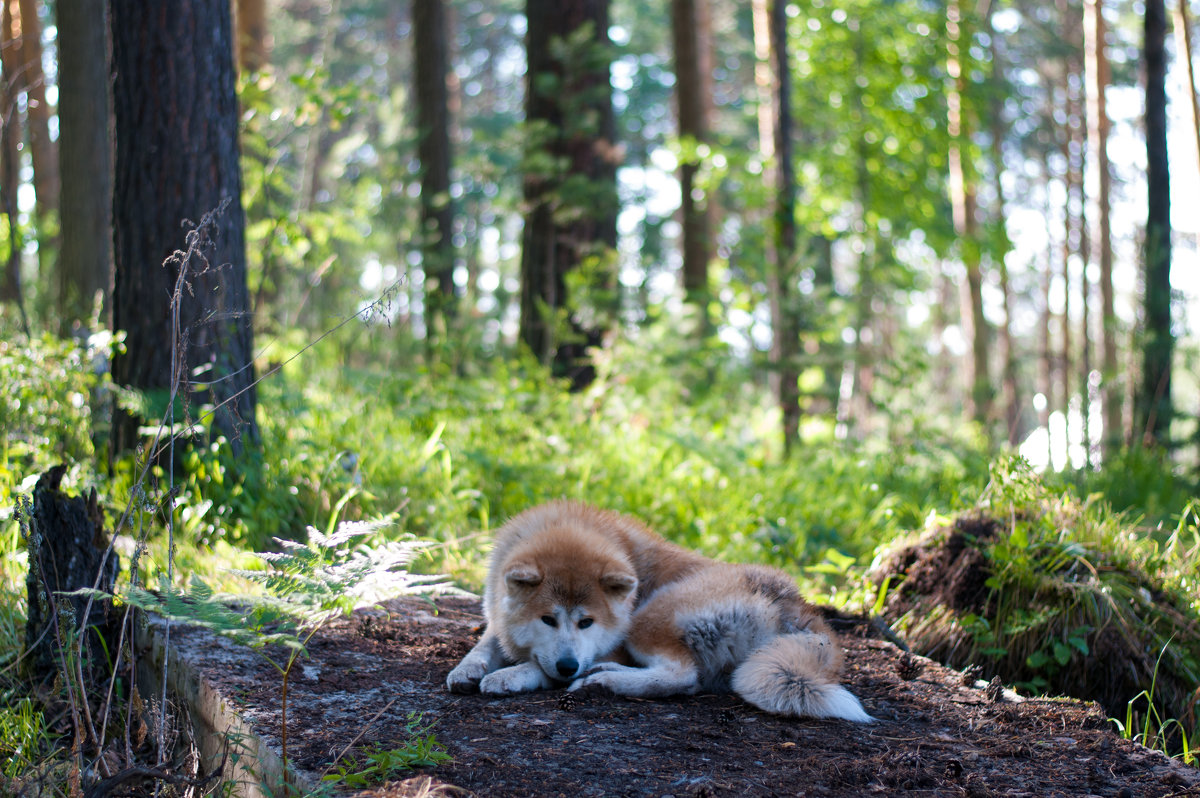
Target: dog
[{"x": 579, "y": 596}]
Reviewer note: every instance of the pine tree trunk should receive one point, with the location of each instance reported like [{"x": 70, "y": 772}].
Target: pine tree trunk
[
  {"x": 433, "y": 149},
  {"x": 251, "y": 35},
  {"x": 963, "y": 203},
  {"x": 42, "y": 149},
  {"x": 1097, "y": 73},
  {"x": 1154, "y": 419},
  {"x": 571, "y": 212},
  {"x": 1045, "y": 371},
  {"x": 10, "y": 158},
  {"x": 775, "y": 142},
  {"x": 85, "y": 268},
  {"x": 693, "y": 74},
  {"x": 1010, "y": 391},
  {"x": 1183, "y": 52},
  {"x": 175, "y": 117}
]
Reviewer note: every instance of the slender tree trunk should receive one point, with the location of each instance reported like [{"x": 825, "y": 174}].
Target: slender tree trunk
[
  {"x": 1010, "y": 391},
  {"x": 431, "y": 65},
  {"x": 571, "y": 213},
  {"x": 85, "y": 150},
  {"x": 693, "y": 75},
  {"x": 1154, "y": 419},
  {"x": 1097, "y": 74},
  {"x": 175, "y": 117},
  {"x": 1183, "y": 49},
  {"x": 42, "y": 149},
  {"x": 11, "y": 289},
  {"x": 964, "y": 204},
  {"x": 252, "y": 35},
  {"x": 1070, "y": 230},
  {"x": 1045, "y": 372},
  {"x": 776, "y": 143}
]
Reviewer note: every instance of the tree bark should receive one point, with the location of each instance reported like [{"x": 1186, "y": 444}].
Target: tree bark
[
  {"x": 433, "y": 149},
  {"x": 1154, "y": 418},
  {"x": 68, "y": 550},
  {"x": 42, "y": 149},
  {"x": 85, "y": 152},
  {"x": 693, "y": 88},
  {"x": 1010, "y": 389},
  {"x": 175, "y": 118},
  {"x": 963, "y": 205},
  {"x": 11, "y": 289},
  {"x": 569, "y": 183},
  {"x": 1183, "y": 49}
]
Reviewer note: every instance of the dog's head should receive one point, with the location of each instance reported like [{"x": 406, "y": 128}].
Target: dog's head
[{"x": 566, "y": 607}]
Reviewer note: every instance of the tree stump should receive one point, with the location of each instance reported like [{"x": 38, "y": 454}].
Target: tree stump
[{"x": 68, "y": 550}]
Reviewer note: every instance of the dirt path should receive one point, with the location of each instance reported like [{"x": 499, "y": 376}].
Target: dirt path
[{"x": 936, "y": 736}]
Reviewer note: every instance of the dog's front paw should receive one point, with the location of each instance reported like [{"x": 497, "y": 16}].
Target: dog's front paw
[
  {"x": 466, "y": 676},
  {"x": 600, "y": 667},
  {"x": 520, "y": 678},
  {"x": 596, "y": 682}
]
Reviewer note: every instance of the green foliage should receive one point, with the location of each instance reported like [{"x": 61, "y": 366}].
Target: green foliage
[
  {"x": 376, "y": 764},
  {"x": 304, "y": 586},
  {"x": 46, "y": 408},
  {"x": 24, "y": 736}
]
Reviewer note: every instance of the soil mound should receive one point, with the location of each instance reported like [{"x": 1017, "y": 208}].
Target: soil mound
[{"x": 1051, "y": 616}]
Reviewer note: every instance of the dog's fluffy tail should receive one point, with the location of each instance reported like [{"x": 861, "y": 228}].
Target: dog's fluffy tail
[{"x": 796, "y": 675}]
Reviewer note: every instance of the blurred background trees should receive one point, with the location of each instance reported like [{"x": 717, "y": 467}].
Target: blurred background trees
[{"x": 880, "y": 221}]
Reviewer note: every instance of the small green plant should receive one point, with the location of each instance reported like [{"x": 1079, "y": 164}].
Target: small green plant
[
  {"x": 377, "y": 763},
  {"x": 23, "y": 736},
  {"x": 1169, "y": 736},
  {"x": 305, "y": 585}
]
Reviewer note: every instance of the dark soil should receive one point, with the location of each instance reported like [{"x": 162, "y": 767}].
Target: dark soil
[{"x": 939, "y": 733}]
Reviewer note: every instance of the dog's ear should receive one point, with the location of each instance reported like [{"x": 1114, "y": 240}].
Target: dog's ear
[
  {"x": 521, "y": 577},
  {"x": 618, "y": 585}
]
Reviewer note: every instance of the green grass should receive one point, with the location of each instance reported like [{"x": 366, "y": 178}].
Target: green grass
[{"x": 377, "y": 763}]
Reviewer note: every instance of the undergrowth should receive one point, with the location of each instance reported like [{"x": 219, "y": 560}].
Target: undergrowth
[
  {"x": 448, "y": 458},
  {"x": 1062, "y": 595}
]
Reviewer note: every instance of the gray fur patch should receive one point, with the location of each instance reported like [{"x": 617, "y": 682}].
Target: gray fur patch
[{"x": 720, "y": 641}]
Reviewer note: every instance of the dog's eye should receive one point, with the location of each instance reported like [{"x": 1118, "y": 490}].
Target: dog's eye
[
  {"x": 549, "y": 620},
  {"x": 585, "y": 623}
]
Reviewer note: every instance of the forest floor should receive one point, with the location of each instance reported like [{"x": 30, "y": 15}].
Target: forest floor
[{"x": 938, "y": 732}]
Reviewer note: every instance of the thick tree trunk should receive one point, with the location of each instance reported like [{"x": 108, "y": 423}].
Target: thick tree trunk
[
  {"x": 175, "y": 116},
  {"x": 68, "y": 550},
  {"x": 85, "y": 152},
  {"x": 693, "y": 75},
  {"x": 1154, "y": 419},
  {"x": 571, "y": 210},
  {"x": 433, "y": 149}
]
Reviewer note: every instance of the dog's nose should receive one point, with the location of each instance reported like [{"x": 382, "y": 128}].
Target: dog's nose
[{"x": 567, "y": 667}]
